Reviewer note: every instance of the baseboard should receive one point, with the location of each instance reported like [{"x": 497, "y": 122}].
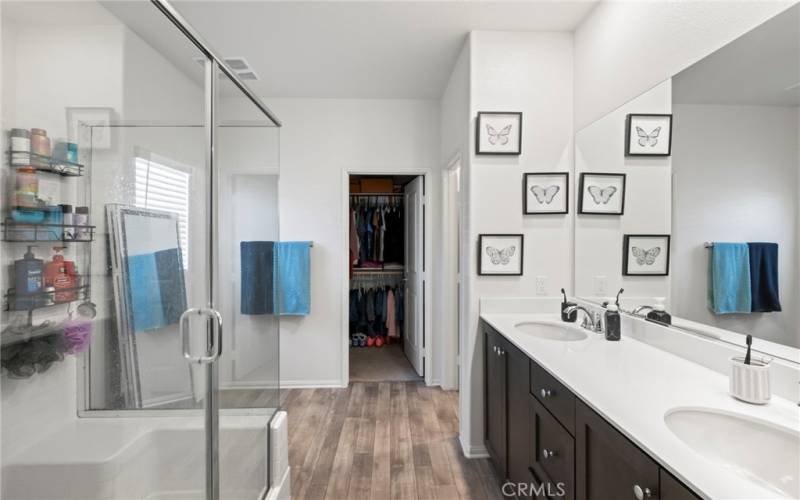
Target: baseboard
[
  {"x": 311, "y": 384},
  {"x": 474, "y": 450}
]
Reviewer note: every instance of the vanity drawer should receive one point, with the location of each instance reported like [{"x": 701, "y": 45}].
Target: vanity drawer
[
  {"x": 554, "y": 396},
  {"x": 552, "y": 452}
]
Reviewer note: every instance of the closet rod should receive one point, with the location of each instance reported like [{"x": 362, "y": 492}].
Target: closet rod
[{"x": 376, "y": 194}]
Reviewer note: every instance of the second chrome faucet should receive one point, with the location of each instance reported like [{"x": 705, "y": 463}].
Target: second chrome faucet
[{"x": 591, "y": 321}]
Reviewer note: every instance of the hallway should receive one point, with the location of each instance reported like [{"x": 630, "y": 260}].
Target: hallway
[{"x": 381, "y": 440}]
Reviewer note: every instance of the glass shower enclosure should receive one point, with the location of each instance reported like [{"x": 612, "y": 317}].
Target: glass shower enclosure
[{"x": 169, "y": 373}]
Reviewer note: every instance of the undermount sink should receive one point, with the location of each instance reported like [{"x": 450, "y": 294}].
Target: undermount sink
[
  {"x": 764, "y": 453},
  {"x": 551, "y": 331}
]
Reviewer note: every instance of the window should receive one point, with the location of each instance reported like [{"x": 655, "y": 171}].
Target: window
[{"x": 166, "y": 188}]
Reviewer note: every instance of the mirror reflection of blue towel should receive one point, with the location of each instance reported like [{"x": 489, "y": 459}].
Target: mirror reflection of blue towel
[
  {"x": 729, "y": 278},
  {"x": 257, "y": 268},
  {"x": 764, "y": 277},
  {"x": 145, "y": 292}
]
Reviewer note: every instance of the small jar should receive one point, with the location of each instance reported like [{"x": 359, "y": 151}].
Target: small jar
[
  {"x": 27, "y": 187},
  {"x": 40, "y": 143},
  {"x": 20, "y": 147}
]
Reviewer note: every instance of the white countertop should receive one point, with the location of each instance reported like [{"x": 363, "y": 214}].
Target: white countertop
[{"x": 633, "y": 385}]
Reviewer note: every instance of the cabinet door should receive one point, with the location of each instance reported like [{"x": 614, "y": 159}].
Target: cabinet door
[
  {"x": 552, "y": 453},
  {"x": 518, "y": 394},
  {"x": 608, "y": 465},
  {"x": 495, "y": 397},
  {"x": 672, "y": 489}
]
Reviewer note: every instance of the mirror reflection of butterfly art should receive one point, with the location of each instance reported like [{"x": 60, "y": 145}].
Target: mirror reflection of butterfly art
[
  {"x": 498, "y": 133},
  {"x": 602, "y": 193},
  {"x": 500, "y": 254},
  {"x": 646, "y": 254},
  {"x": 545, "y": 193},
  {"x": 648, "y": 135}
]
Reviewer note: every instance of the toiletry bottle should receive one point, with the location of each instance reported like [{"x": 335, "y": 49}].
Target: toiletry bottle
[
  {"x": 64, "y": 280},
  {"x": 27, "y": 187},
  {"x": 659, "y": 313},
  {"x": 53, "y": 268},
  {"x": 68, "y": 221},
  {"x": 81, "y": 218},
  {"x": 40, "y": 143},
  {"x": 20, "y": 147},
  {"x": 27, "y": 279},
  {"x": 567, "y": 318},
  {"x": 613, "y": 323}
]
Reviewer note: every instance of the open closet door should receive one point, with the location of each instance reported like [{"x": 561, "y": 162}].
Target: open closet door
[{"x": 414, "y": 341}]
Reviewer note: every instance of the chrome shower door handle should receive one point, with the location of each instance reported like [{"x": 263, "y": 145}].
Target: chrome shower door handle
[{"x": 213, "y": 335}]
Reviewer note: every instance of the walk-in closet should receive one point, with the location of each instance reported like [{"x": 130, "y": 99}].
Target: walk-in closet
[{"x": 386, "y": 294}]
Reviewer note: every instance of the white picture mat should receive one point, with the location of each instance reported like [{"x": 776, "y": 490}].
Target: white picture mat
[
  {"x": 498, "y": 122},
  {"x": 648, "y": 124},
  {"x": 615, "y": 201},
  {"x": 559, "y": 201},
  {"x": 501, "y": 243},
  {"x": 646, "y": 243}
]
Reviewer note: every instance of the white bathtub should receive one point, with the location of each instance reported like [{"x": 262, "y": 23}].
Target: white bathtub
[{"x": 139, "y": 458}]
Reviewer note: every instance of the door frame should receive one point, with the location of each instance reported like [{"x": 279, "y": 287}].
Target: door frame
[
  {"x": 428, "y": 272},
  {"x": 451, "y": 315}
]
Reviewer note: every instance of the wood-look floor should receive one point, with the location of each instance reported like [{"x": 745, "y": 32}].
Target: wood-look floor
[{"x": 380, "y": 441}]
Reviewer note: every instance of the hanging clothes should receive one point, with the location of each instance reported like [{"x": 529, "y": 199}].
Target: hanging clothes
[
  {"x": 373, "y": 311},
  {"x": 376, "y": 231}
]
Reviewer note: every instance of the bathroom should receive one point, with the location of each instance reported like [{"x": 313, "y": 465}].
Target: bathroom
[{"x": 643, "y": 157}]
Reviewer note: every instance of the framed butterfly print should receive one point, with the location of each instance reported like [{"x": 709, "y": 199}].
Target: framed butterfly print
[
  {"x": 645, "y": 255},
  {"x": 648, "y": 135},
  {"x": 498, "y": 133},
  {"x": 545, "y": 193},
  {"x": 601, "y": 193},
  {"x": 500, "y": 254}
]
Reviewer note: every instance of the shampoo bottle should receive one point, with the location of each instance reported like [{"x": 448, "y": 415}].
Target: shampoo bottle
[
  {"x": 613, "y": 323},
  {"x": 27, "y": 279}
]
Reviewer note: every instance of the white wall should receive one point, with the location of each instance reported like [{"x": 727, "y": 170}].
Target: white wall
[
  {"x": 532, "y": 73},
  {"x": 600, "y": 147},
  {"x": 455, "y": 139},
  {"x": 736, "y": 176},
  {"x": 625, "y": 48},
  {"x": 322, "y": 139}
]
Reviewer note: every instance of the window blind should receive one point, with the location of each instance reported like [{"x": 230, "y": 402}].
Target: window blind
[{"x": 161, "y": 187}]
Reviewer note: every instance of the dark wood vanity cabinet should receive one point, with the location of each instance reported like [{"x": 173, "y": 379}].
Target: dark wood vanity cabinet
[{"x": 538, "y": 433}]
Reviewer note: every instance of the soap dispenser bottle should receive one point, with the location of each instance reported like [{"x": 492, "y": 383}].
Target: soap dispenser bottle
[
  {"x": 27, "y": 279},
  {"x": 567, "y": 318},
  {"x": 613, "y": 323},
  {"x": 659, "y": 313}
]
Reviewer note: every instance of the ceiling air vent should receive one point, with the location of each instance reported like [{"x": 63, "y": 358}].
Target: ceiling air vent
[{"x": 239, "y": 65}]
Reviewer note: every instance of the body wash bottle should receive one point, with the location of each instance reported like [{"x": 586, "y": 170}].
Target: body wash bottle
[{"x": 613, "y": 323}]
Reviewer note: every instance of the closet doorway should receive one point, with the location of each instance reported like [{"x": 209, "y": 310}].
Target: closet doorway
[{"x": 386, "y": 293}]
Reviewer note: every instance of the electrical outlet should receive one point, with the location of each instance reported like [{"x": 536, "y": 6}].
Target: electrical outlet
[
  {"x": 541, "y": 289},
  {"x": 600, "y": 285}
]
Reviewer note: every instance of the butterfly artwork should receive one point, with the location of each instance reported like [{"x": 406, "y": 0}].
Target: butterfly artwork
[
  {"x": 500, "y": 254},
  {"x": 646, "y": 139},
  {"x": 646, "y": 257},
  {"x": 545, "y": 195},
  {"x": 601, "y": 195},
  {"x": 501, "y": 257},
  {"x": 648, "y": 135},
  {"x": 498, "y": 137},
  {"x": 498, "y": 133}
]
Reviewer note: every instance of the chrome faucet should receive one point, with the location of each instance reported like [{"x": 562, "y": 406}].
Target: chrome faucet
[
  {"x": 638, "y": 310},
  {"x": 590, "y": 321}
]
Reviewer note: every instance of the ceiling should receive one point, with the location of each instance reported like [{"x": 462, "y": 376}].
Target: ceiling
[
  {"x": 356, "y": 49},
  {"x": 755, "y": 69}
]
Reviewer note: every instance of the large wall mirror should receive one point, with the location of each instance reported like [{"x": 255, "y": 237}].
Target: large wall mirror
[{"x": 711, "y": 165}]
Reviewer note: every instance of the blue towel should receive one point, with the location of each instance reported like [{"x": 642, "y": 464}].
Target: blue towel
[
  {"x": 293, "y": 273},
  {"x": 145, "y": 292},
  {"x": 729, "y": 278},
  {"x": 257, "y": 272},
  {"x": 764, "y": 277},
  {"x": 169, "y": 267}
]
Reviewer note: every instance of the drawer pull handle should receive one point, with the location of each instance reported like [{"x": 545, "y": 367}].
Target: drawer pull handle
[
  {"x": 548, "y": 453},
  {"x": 640, "y": 493},
  {"x": 546, "y": 393}
]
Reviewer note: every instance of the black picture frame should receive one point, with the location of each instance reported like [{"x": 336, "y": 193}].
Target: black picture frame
[
  {"x": 626, "y": 241},
  {"x": 628, "y": 123},
  {"x": 521, "y": 237},
  {"x": 582, "y": 187},
  {"x": 478, "y": 127},
  {"x": 526, "y": 209}
]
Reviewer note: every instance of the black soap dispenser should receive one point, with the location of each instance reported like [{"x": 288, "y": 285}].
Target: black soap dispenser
[
  {"x": 567, "y": 318},
  {"x": 613, "y": 323},
  {"x": 659, "y": 313}
]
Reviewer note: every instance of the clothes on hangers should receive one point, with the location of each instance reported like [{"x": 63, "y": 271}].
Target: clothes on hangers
[
  {"x": 376, "y": 311},
  {"x": 376, "y": 230}
]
